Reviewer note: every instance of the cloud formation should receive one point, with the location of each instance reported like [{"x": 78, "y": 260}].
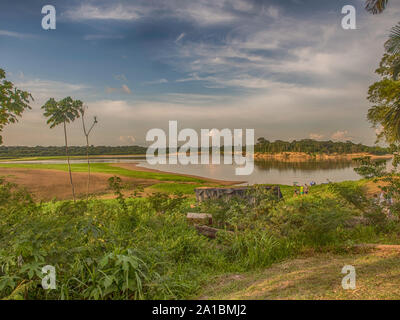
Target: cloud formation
[
  {"x": 341, "y": 136},
  {"x": 285, "y": 68},
  {"x": 88, "y": 11},
  {"x": 14, "y": 34},
  {"x": 124, "y": 89},
  {"x": 316, "y": 136}
]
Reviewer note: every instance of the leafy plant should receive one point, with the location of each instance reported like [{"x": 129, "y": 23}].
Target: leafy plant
[
  {"x": 13, "y": 102},
  {"x": 115, "y": 184},
  {"x": 162, "y": 202}
]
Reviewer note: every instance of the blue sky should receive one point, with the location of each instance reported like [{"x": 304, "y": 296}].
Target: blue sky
[{"x": 285, "y": 68}]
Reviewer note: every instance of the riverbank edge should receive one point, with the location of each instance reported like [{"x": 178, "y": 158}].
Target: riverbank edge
[{"x": 135, "y": 166}]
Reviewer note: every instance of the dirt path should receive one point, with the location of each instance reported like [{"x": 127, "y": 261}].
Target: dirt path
[{"x": 47, "y": 184}]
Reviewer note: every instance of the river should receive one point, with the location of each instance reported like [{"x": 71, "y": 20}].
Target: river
[{"x": 265, "y": 171}]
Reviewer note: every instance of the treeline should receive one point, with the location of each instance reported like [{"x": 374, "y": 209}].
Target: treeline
[
  {"x": 39, "y": 151},
  {"x": 311, "y": 146},
  {"x": 263, "y": 146}
]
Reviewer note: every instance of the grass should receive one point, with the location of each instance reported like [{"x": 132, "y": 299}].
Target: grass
[
  {"x": 101, "y": 251},
  {"x": 316, "y": 276},
  {"x": 107, "y": 168},
  {"x": 171, "y": 188},
  {"x": 143, "y": 248}
]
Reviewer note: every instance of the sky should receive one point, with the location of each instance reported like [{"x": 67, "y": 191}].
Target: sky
[{"x": 286, "y": 69}]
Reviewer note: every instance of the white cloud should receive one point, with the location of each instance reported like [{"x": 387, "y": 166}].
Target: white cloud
[
  {"x": 91, "y": 12},
  {"x": 124, "y": 89},
  {"x": 15, "y": 34},
  {"x": 316, "y": 136},
  {"x": 255, "y": 53},
  {"x": 341, "y": 136},
  {"x": 127, "y": 139},
  {"x": 193, "y": 99},
  {"x": 242, "y": 5},
  {"x": 205, "y": 15},
  {"x": 272, "y": 11},
  {"x": 44, "y": 89},
  {"x": 201, "y": 12}
]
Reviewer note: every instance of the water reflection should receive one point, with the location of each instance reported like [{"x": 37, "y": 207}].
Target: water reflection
[
  {"x": 308, "y": 165},
  {"x": 273, "y": 171}
]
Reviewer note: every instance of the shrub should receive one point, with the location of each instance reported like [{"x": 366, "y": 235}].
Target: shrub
[{"x": 314, "y": 220}]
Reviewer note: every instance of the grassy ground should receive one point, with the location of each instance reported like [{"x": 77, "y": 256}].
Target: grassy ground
[
  {"x": 107, "y": 168},
  {"x": 317, "y": 276},
  {"x": 161, "y": 182}
]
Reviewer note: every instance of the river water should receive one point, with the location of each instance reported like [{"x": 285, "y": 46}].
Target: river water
[{"x": 265, "y": 171}]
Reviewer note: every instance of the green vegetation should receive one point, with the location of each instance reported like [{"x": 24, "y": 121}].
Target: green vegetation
[
  {"x": 107, "y": 168},
  {"x": 306, "y": 145},
  {"x": 143, "y": 248},
  {"x": 172, "y": 188},
  {"x": 311, "y": 146},
  {"x": 13, "y": 102},
  {"x": 52, "y": 152},
  {"x": 384, "y": 95},
  {"x": 392, "y": 46}
]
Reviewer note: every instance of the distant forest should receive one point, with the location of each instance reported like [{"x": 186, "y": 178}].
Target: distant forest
[
  {"x": 313, "y": 147},
  {"x": 264, "y": 146},
  {"x": 38, "y": 151}
]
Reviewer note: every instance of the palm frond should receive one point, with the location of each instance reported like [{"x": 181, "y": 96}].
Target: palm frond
[
  {"x": 393, "y": 44},
  {"x": 391, "y": 121},
  {"x": 376, "y": 6}
]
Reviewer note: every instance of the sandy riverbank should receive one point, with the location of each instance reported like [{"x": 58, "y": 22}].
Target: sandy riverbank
[{"x": 48, "y": 184}]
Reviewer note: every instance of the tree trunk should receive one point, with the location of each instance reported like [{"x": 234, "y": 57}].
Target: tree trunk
[
  {"x": 87, "y": 133},
  {"x": 69, "y": 165},
  {"x": 88, "y": 164}
]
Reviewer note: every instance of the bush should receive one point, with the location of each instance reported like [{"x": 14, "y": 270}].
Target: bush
[{"x": 313, "y": 220}]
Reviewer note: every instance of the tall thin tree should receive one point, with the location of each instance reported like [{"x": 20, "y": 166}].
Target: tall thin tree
[
  {"x": 62, "y": 112},
  {"x": 82, "y": 110}
]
